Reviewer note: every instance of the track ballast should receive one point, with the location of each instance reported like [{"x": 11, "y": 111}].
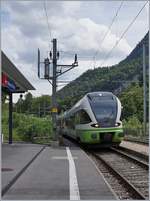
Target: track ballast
[{"x": 127, "y": 175}]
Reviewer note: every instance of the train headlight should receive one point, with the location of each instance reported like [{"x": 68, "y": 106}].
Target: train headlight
[
  {"x": 117, "y": 124},
  {"x": 95, "y": 125}
]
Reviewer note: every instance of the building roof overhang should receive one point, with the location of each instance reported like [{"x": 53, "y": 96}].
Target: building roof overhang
[{"x": 10, "y": 70}]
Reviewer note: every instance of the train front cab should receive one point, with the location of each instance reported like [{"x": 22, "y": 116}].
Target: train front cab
[
  {"x": 108, "y": 129},
  {"x": 101, "y": 136}
]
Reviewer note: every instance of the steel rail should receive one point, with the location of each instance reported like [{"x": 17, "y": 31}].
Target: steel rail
[
  {"x": 133, "y": 152},
  {"x": 127, "y": 184},
  {"x": 132, "y": 158},
  {"x": 138, "y": 141}
]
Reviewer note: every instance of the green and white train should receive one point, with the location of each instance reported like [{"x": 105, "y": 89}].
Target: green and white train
[{"x": 94, "y": 120}]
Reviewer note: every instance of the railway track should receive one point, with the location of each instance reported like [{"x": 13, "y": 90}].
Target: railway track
[
  {"x": 139, "y": 155},
  {"x": 127, "y": 174},
  {"x": 141, "y": 159},
  {"x": 138, "y": 141}
]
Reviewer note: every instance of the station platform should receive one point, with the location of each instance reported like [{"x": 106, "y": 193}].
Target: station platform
[
  {"x": 141, "y": 148},
  {"x": 46, "y": 173}
]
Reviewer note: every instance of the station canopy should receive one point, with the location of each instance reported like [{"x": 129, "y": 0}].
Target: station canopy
[{"x": 13, "y": 81}]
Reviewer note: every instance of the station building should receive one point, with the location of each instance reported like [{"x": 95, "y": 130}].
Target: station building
[{"x": 12, "y": 81}]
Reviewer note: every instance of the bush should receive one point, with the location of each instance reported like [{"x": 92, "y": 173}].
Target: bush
[
  {"x": 25, "y": 127},
  {"x": 132, "y": 122},
  {"x": 30, "y": 126},
  {"x": 132, "y": 126}
]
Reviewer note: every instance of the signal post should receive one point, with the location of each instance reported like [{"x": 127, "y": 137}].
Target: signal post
[{"x": 54, "y": 56}]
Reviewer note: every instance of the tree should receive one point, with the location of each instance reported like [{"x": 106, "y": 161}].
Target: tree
[{"x": 132, "y": 102}]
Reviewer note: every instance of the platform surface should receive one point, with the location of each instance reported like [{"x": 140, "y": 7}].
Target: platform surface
[
  {"x": 48, "y": 176},
  {"x": 14, "y": 159}
]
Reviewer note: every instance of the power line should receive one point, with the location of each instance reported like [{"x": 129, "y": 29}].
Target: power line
[
  {"x": 109, "y": 53},
  {"x": 113, "y": 20},
  {"x": 48, "y": 25},
  {"x": 71, "y": 53}
]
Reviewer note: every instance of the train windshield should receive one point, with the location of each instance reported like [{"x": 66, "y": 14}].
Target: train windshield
[{"x": 105, "y": 110}]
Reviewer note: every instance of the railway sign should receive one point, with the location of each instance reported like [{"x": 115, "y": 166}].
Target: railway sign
[{"x": 54, "y": 110}]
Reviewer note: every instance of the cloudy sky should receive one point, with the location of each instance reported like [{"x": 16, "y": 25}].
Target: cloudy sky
[{"x": 79, "y": 27}]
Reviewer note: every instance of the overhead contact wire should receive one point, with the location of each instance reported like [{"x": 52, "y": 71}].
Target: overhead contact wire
[
  {"x": 131, "y": 23},
  {"x": 48, "y": 25},
  {"x": 108, "y": 30}
]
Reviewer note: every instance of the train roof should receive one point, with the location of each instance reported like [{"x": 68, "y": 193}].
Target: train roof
[
  {"x": 91, "y": 95},
  {"x": 100, "y": 93}
]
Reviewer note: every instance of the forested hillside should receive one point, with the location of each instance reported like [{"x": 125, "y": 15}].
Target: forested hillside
[{"x": 125, "y": 77}]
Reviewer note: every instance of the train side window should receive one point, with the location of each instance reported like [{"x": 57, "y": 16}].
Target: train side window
[
  {"x": 70, "y": 122},
  {"x": 67, "y": 122},
  {"x": 77, "y": 118},
  {"x": 84, "y": 117}
]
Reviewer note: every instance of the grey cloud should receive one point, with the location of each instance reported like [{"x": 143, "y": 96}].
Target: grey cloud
[
  {"x": 30, "y": 15},
  {"x": 27, "y": 56},
  {"x": 78, "y": 29}
]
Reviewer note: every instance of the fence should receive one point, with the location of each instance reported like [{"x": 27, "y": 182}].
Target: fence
[{"x": 136, "y": 134}]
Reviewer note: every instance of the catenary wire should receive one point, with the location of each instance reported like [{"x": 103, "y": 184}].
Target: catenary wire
[
  {"x": 108, "y": 30},
  {"x": 131, "y": 23},
  {"x": 48, "y": 25}
]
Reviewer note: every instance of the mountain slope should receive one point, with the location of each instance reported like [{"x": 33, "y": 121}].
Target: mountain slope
[{"x": 114, "y": 78}]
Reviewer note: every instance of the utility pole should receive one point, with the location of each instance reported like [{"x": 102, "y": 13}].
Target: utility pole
[
  {"x": 39, "y": 110},
  {"x": 144, "y": 91},
  {"x": 44, "y": 107},
  {"x": 94, "y": 58},
  {"x": 54, "y": 88},
  {"x": 54, "y": 55},
  {"x": 10, "y": 117}
]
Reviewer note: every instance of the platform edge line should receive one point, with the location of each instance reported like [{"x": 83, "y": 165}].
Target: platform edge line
[{"x": 73, "y": 182}]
